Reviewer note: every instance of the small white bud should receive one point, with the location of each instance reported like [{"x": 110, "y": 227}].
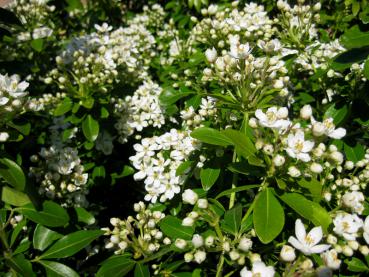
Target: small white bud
[
  {"x": 279, "y": 160},
  {"x": 189, "y": 196},
  {"x": 202, "y": 203},
  {"x": 180, "y": 243},
  {"x": 306, "y": 112},
  {"x": 288, "y": 253},
  {"x": 197, "y": 241},
  {"x": 200, "y": 256}
]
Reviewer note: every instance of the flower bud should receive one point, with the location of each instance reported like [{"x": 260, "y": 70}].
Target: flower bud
[
  {"x": 288, "y": 253},
  {"x": 211, "y": 55},
  {"x": 306, "y": 112}
]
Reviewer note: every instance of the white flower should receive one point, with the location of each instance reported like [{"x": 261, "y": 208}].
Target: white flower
[
  {"x": 308, "y": 243},
  {"x": 211, "y": 55},
  {"x": 354, "y": 200},
  {"x": 298, "y": 147},
  {"x": 189, "y": 197},
  {"x": 331, "y": 131},
  {"x": 273, "y": 118},
  {"x": 288, "y": 253},
  {"x": 331, "y": 260},
  {"x": 245, "y": 244},
  {"x": 258, "y": 269},
  {"x": 3, "y": 136},
  {"x": 240, "y": 51},
  {"x": 347, "y": 225},
  {"x": 366, "y": 230}
]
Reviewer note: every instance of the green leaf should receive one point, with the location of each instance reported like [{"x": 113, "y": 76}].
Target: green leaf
[
  {"x": 43, "y": 237},
  {"x": 54, "y": 269},
  {"x": 242, "y": 143},
  {"x": 366, "y": 69},
  {"x": 237, "y": 189},
  {"x": 308, "y": 209},
  {"x": 268, "y": 216},
  {"x": 12, "y": 173},
  {"x": 208, "y": 177},
  {"x": 346, "y": 59},
  {"x": 232, "y": 220},
  {"x": 354, "y": 154},
  {"x": 170, "y": 96},
  {"x": 63, "y": 107},
  {"x": 70, "y": 244},
  {"x": 356, "y": 265},
  {"x": 211, "y": 136},
  {"x": 99, "y": 171},
  {"x": 354, "y": 38},
  {"x": 52, "y": 214},
  {"x": 104, "y": 113},
  {"x": 17, "y": 230},
  {"x": 21, "y": 265},
  {"x": 37, "y": 44},
  {"x": 338, "y": 114},
  {"x": 184, "y": 167},
  {"x": 84, "y": 216},
  {"x": 117, "y": 266},
  {"x": 23, "y": 129},
  {"x": 173, "y": 228},
  {"x": 22, "y": 247},
  {"x": 142, "y": 270},
  {"x": 90, "y": 128},
  {"x": 313, "y": 185},
  {"x": 14, "y": 197}
]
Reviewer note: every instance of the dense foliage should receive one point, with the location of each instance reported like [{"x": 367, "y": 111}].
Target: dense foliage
[{"x": 184, "y": 138}]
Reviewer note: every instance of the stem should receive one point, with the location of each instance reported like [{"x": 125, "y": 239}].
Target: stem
[
  {"x": 220, "y": 266},
  {"x": 234, "y": 183},
  {"x": 249, "y": 211}
]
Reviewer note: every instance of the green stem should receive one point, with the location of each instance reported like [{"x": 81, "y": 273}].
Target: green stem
[
  {"x": 220, "y": 266},
  {"x": 234, "y": 183}
]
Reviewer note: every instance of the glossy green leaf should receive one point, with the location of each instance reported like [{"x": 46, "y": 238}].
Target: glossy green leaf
[
  {"x": 71, "y": 244},
  {"x": 22, "y": 247},
  {"x": 337, "y": 113},
  {"x": 237, "y": 189},
  {"x": 173, "y": 228},
  {"x": 142, "y": 270},
  {"x": 117, "y": 266},
  {"x": 14, "y": 197},
  {"x": 170, "y": 96},
  {"x": 37, "y": 44},
  {"x": 308, "y": 209},
  {"x": 354, "y": 38},
  {"x": 211, "y": 136},
  {"x": 268, "y": 216},
  {"x": 366, "y": 69},
  {"x": 354, "y": 154},
  {"x": 21, "y": 265},
  {"x": 90, "y": 128},
  {"x": 52, "y": 214},
  {"x": 84, "y": 216},
  {"x": 16, "y": 231},
  {"x": 313, "y": 185},
  {"x": 243, "y": 144},
  {"x": 232, "y": 220},
  {"x": 54, "y": 269},
  {"x": 356, "y": 265},
  {"x": 12, "y": 173},
  {"x": 63, "y": 107},
  {"x": 44, "y": 237},
  {"x": 208, "y": 177},
  {"x": 23, "y": 129}
]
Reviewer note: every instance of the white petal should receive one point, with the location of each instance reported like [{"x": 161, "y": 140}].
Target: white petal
[
  {"x": 338, "y": 133},
  {"x": 303, "y": 157},
  {"x": 366, "y": 237},
  {"x": 319, "y": 248},
  {"x": 260, "y": 115},
  {"x": 300, "y": 230},
  {"x": 295, "y": 243},
  {"x": 316, "y": 234},
  {"x": 308, "y": 145}
]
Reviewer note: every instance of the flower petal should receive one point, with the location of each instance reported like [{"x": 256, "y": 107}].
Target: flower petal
[
  {"x": 338, "y": 133},
  {"x": 300, "y": 230},
  {"x": 295, "y": 243},
  {"x": 319, "y": 248},
  {"x": 316, "y": 234}
]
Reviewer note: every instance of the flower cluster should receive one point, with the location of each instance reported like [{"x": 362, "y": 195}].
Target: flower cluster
[
  {"x": 157, "y": 159},
  {"x": 58, "y": 168},
  {"x": 141, "y": 234},
  {"x": 139, "y": 111}
]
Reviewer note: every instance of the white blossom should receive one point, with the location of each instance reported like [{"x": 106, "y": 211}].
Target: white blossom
[
  {"x": 258, "y": 269},
  {"x": 298, "y": 147},
  {"x": 308, "y": 243},
  {"x": 347, "y": 225}
]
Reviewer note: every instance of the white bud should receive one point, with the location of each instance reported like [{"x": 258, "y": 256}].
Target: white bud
[
  {"x": 294, "y": 172},
  {"x": 353, "y": 244},
  {"x": 188, "y": 221},
  {"x": 189, "y": 196},
  {"x": 279, "y": 160},
  {"x": 197, "y": 240},
  {"x": 188, "y": 257},
  {"x": 211, "y": 55},
  {"x": 364, "y": 250},
  {"x": 209, "y": 241},
  {"x": 202, "y": 203},
  {"x": 288, "y": 253},
  {"x": 200, "y": 256},
  {"x": 318, "y": 129},
  {"x": 180, "y": 243},
  {"x": 306, "y": 112},
  {"x": 234, "y": 255},
  {"x": 245, "y": 244},
  {"x": 347, "y": 251},
  {"x": 316, "y": 168}
]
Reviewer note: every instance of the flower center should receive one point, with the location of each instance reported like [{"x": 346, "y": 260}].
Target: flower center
[{"x": 309, "y": 240}]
